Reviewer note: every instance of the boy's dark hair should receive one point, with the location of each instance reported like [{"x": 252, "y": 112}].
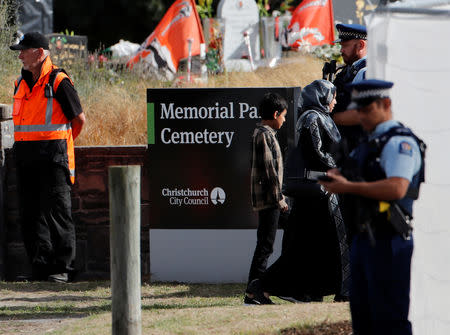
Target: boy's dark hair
[{"x": 271, "y": 103}]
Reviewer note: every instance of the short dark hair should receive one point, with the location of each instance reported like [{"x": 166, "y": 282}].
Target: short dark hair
[{"x": 271, "y": 103}]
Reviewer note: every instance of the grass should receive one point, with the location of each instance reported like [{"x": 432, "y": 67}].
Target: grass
[{"x": 167, "y": 309}]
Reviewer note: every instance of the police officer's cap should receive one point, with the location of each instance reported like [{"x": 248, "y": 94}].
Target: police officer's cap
[
  {"x": 364, "y": 92},
  {"x": 30, "y": 41},
  {"x": 349, "y": 32}
]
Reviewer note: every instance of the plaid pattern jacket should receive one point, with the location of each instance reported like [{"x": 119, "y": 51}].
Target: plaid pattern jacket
[{"x": 266, "y": 170}]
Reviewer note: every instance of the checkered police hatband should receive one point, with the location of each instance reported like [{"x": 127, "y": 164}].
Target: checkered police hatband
[
  {"x": 375, "y": 93},
  {"x": 351, "y": 35}
]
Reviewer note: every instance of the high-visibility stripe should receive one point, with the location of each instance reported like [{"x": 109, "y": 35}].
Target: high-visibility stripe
[
  {"x": 49, "y": 111},
  {"x": 18, "y": 83},
  {"x": 72, "y": 172},
  {"x": 42, "y": 127}
]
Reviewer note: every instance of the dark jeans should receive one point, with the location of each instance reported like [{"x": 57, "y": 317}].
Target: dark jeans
[
  {"x": 380, "y": 283},
  {"x": 267, "y": 229},
  {"x": 46, "y": 217}
]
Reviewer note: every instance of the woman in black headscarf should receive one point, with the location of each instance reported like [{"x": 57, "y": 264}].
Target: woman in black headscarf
[{"x": 314, "y": 260}]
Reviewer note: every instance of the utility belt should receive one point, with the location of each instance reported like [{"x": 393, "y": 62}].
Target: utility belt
[{"x": 389, "y": 219}]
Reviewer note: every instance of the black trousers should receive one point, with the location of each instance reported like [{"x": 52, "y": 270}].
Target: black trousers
[
  {"x": 46, "y": 217},
  {"x": 266, "y": 232},
  {"x": 380, "y": 285}
]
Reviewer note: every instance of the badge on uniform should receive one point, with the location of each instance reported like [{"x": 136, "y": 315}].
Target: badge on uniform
[{"x": 405, "y": 148}]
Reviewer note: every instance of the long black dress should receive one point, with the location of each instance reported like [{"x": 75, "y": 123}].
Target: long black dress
[{"x": 315, "y": 257}]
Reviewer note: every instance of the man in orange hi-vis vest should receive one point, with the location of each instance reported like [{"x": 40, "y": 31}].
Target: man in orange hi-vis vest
[
  {"x": 312, "y": 23},
  {"x": 47, "y": 117},
  {"x": 168, "y": 43}
]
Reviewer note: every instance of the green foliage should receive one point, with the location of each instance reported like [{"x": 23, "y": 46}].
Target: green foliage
[
  {"x": 54, "y": 39},
  {"x": 286, "y": 6},
  {"x": 204, "y": 8},
  {"x": 213, "y": 61},
  {"x": 93, "y": 73},
  {"x": 263, "y": 7},
  {"x": 66, "y": 32}
]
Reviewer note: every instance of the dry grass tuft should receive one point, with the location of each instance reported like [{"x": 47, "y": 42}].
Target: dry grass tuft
[
  {"x": 115, "y": 101},
  {"x": 293, "y": 71},
  {"x": 114, "y": 117},
  {"x": 7, "y": 87},
  {"x": 116, "y": 111}
]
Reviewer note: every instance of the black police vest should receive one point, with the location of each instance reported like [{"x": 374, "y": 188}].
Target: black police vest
[
  {"x": 367, "y": 158},
  {"x": 351, "y": 135},
  {"x": 343, "y": 78}
]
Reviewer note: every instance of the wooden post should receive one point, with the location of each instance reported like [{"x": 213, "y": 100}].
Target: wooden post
[{"x": 125, "y": 223}]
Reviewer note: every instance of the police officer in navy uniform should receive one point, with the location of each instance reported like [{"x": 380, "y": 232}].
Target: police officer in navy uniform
[
  {"x": 353, "y": 40},
  {"x": 390, "y": 165}
]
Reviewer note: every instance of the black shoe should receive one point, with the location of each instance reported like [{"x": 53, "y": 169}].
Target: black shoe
[
  {"x": 59, "y": 277},
  {"x": 340, "y": 298},
  {"x": 300, "y": 300},
  {"x": 255, "y": 288},
  {"x": 257, "y": 301},
  {"x": 250, "y": 301},
  {"x": 263, "y": 300}
]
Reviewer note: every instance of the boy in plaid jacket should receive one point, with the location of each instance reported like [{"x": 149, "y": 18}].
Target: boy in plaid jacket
[{"x": 266, "y": 183}]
